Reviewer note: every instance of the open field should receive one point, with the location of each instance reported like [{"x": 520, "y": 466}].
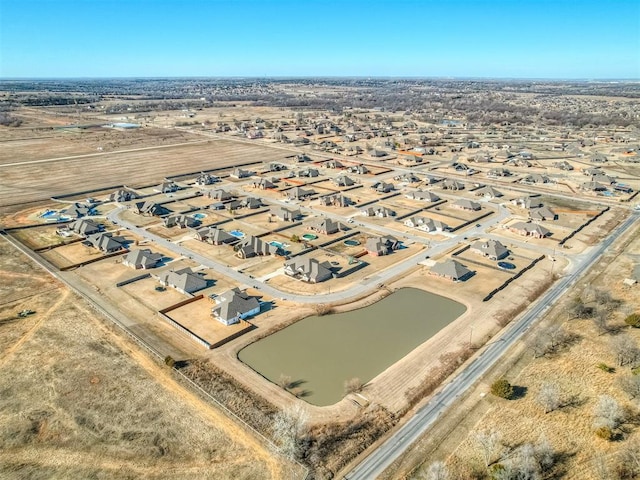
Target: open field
[
  {"x": 27, "y": 182},
  {"x": 81, "y": 402}
]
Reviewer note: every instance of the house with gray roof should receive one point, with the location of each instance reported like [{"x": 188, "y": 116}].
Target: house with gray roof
[
  {"x": 181, "y": 221},
  {"x": 426, "y": 224},
  {"x": 308, "y": 269},
  {"x": 488, "y": 192},
  {"x": 343, "y": 181},
  {"x": 452, "y": 270},
  {"x": 308, "y": 173},
  {"x": 423, "y": 195},
  {"x": 326, "y": 226},
  {"x": 251, "y": 203},
  {"x": 535, "y": 178},
  {"x": 451, "y": 184},
  {"x": 214, "y": 236},
  {"x": 333, "y": 163},
  {"x": 527, "y": 202},
  {"x": 299, "y": 193},
  {"x": 542, "y": 213},
  {"x": 142, "y": 259},
  {"x": 168, "y": 186},
  {"x": 150, "y": 209},
  {"x": 563, "y": 165},
  {"x": 106, "y": 242},
  {"x": 492, "y": 249},
  {"x": 378, "y": 246},
  {"x": 78, "y": 210},
  {"x": 251, "y": 246},
  {"x": 335, "y": 200},
  {"x": 529, "y": 230},
  {"x": 383, "y": 187},
  {"x": 286, "y": 214},
  {"x": 264, "y": 184},
  {"x": 184, "y": 280},
  {"x": 84, "y": 227},
  {"x": 123, "y": 195},
  {"x": 498, "y": 172},
  {"x": 465, "y": 204},
  {"x": 219, "y": 194},
  {"x": 206, "y": 179},
  {"x": 407, "y": 178},
  {"x": 358, "y": 169},
  {"x": 377, "y": 211},
  {"x": 239, "y": 173},
  {"x": 234, "y": 305}
]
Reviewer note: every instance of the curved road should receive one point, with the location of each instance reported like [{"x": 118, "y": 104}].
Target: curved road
[{"x": 383, "y": 457}]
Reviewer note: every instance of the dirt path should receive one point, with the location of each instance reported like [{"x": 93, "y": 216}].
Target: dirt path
[
  {"x": 29, "y": 333},
  {"x": 211, "y": 414}
]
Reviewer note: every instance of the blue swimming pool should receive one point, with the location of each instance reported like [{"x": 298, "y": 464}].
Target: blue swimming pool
[
  {"x": 506, "y": 265},
  {"x": 237, "y": 233},
  {"x": 48, "y": 214},
  {"x": 199, "y": 216}
]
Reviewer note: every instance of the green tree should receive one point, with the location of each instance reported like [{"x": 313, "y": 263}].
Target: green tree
[
  {"x": 633, "y": 320},
  {"x": 502, "y": 388}
]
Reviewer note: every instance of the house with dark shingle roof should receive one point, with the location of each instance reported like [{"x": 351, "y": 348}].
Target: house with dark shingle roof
[
  {"x": 184, "y": 280},
  {"x": 492, "y": 249},
  {"x": 149, "y": 209},
  {"x": 142, "y": 259},
  {"x": 214, "y": 236},
  {"x": 529, "y": 230},
  {"x": 378, "y": 246},
  {"x": 234, "y": 305},
  {"x": 452, "y": 270},
  {"x": 106, "y": 242},
  {"x": 308, "y": 269},
  {"x": 84, "y": 227}
]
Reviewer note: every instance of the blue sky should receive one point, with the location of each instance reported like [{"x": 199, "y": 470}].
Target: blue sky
[{"x": 463, "y": 38}]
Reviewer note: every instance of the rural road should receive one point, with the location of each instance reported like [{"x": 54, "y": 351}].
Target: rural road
[{"x": 390, "y": 450}]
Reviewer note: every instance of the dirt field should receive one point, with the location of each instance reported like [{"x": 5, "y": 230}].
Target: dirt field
[
  {"x": 579, "y": 453},
  {"x": 80, "y": 402},
  {"x": 26, "y": 181}
]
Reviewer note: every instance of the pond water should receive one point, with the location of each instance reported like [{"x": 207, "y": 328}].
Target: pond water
[{"x": 320, "y": 353}]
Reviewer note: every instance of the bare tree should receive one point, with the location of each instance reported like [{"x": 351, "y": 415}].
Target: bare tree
[
  {"x": 630, "y": 385},
  {"x": 549, "y": 340},
  {"x": 489, "y": 445},
  {"x": 545, "y": 453},
  {"x": 288, "y": 427},
  {"x": 601, "y": 467},
  {"x": 625, "y": 349},
  {"x": 549, "y": 397},
  {"x": 352, "y": 385},
  {"x": 601, "y": 320},
  {"x": 608, "y": 413},
  {"x": 630, "y": 460},
  {"x": 284, "y": 381}
]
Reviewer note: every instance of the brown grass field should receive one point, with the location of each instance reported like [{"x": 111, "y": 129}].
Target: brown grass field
[{"x": 78, "y": 401}]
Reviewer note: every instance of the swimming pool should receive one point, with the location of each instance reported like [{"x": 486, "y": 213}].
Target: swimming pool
[
  {"x": 309, "y": 236},
  {"x": 351, "y": 243},
  {"x": 237, "y": 233},
  {"x": 276, "y": 244},
  {"x": 199, "y": 216},
  {"x": 48, "y": 214}
]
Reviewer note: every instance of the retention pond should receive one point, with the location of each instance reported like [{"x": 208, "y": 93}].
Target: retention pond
[{"x": 320, "y": 353}]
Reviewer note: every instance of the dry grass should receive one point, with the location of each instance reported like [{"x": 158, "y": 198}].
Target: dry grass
[{"x": 74, "y": 404}]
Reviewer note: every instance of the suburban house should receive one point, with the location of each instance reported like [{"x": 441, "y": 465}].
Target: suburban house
[
  {"x": 184, "y": 280},
  {"x": 181, "y": 221},
  {"x": 142, "y": 259},
  {"x": 492, "y": 249},
  {"x": 333, "y": 163},
  {"x": 214, "y": 236},
  {"x": 335, "y": 200},
  {"x": 529, "y": 230},
  {"x": 105, "y": 242},
  {"x": 78, "y": 210},
  {"x": 423, "y": 195},
  {"x": 378, "y": 211},
  {"x": 542, "y": 213},
  {"x": 150, "y": 209},
  {"x": 489, "y": 192},
  {"x": 375, "y": 153},
  {"x": 527, "y": 202},
  {"x": 275, "y": 167},
  {"x": 407, "y": 178},
  {"x": 563, "y": 165},
  {"x": 426, "y": 224},
  {"x": 299, "y": 193},
  {"x": 122, "y": 195},
  {"x": 382, "y": 187},
  {"x": 308, "y": 173},
  {"x": 535, "y": 178},
  {"x": 219, "y": 194},
  {"x": 234, "y": 305},
  {"x": 308, "y": 269},
  {"x": 593, "y": 186},
  {"x": 378, "y": 246},
  {"x": 498, "y": 172},
  {"x": 167, "y": 186},
  {"x": 84, "y": 227},
  {"x": 359, "y": 169},
  {"x": 450, "y": 184},
  {"x": 519, "y": 162},
  {"x": 251, "y": 203},
  {"x": 465, "y": 204},
  {"x": 598, "y": 158},
  {"x": 264, "y": 184},
  {"x": 206, "y": 179},
  {"x": 602, "y": 178},
  {"x": 251, "y": 246},
  {"x": 239, "y": 173},
  {"x": 343, "y": 181},
  {"x": 285, "y": 214},
  {"x": 452, "y": 270},
  {"x": 326, "y": 226}
]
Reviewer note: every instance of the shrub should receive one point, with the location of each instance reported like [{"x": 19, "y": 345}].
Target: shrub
[
  {"x": 605, "y": 433},
  {"x": 633, "y": 320},
  {"x": 502, "y": 388},
  {"x": 606, "y": 368},
  {"x": 169, "y": 361}
]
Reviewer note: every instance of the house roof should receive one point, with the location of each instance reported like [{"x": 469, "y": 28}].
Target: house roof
[
  {"x": 233, "y": 303},
  {"x": 143, "y": 257},
  {"x": 451, "y": 268},
  {"x": 492, "y": 248},
  {"x": 185, "y": 280}
]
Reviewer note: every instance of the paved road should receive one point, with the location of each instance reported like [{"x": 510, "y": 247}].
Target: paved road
[
  {"x": 354, "y": 291},
  {"x": 389, "y": 451}
]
